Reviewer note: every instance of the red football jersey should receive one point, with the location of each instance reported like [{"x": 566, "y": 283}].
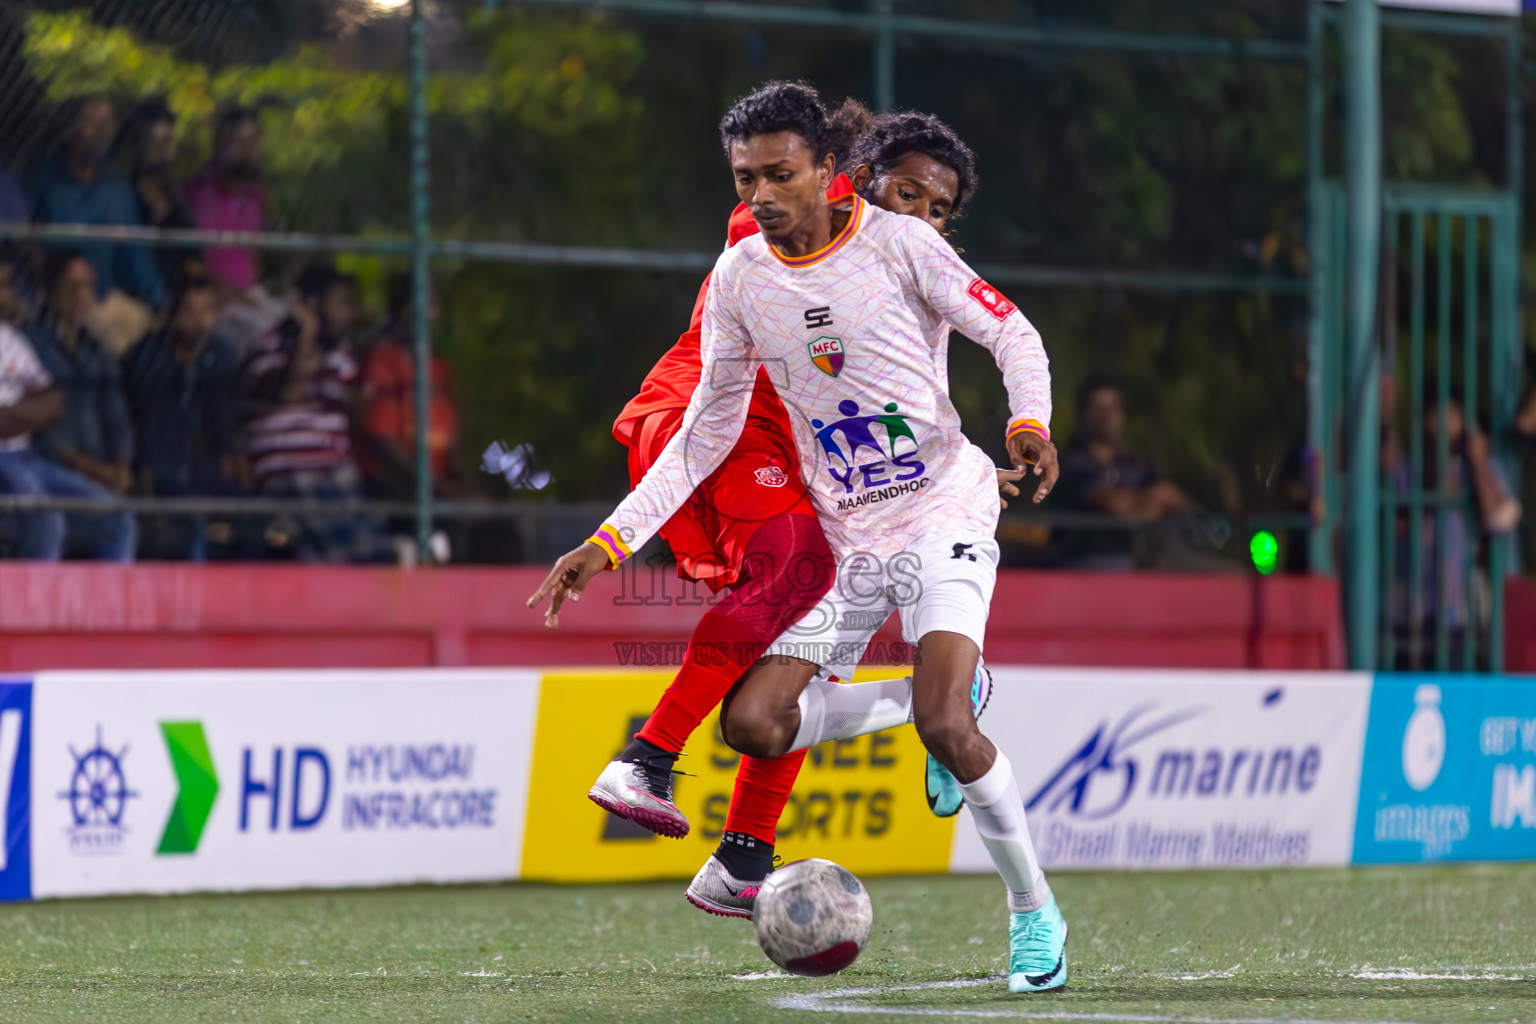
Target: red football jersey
[{"x": 672, "y": 381}]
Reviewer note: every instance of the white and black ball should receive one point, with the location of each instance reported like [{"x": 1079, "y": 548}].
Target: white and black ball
[{"x": 812, "y": 917}]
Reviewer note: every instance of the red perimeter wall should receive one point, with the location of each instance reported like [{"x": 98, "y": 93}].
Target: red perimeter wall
[
  {"x": 1520, "y": 625},
  {"x": 233, "y": 616}
]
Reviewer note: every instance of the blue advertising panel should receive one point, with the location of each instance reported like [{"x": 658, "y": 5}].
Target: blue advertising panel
[
  {"x": 1449, "y": 771},
  {"x": 15, "y": 789}
]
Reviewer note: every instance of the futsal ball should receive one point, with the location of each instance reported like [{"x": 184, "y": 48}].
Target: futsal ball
[{"x": 812, "y": 917}]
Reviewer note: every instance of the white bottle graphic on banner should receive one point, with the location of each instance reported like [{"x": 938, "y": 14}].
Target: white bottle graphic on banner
[{"x": 1424, "y": 739}]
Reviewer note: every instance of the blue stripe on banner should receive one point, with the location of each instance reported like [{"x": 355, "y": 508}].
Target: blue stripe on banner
[
  {"x": 1449, "y": 771},
  {"x": 16, "y": 789}
]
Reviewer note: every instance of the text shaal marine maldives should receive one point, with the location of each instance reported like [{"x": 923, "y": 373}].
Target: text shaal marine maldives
[{"x": 1179, "y": 769}]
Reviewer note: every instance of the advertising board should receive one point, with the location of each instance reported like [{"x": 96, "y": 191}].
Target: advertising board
[
  {"x": 161, "y": 782},
  {"x": 172, "y": 782},
  {"x": 859, "y": 802},
  {"x": 1179, "y": 769},
  {"x": 1449, "y": 771}
]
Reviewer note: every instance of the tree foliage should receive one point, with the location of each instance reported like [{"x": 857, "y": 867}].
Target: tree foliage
[{"x": 338, "y": 154}]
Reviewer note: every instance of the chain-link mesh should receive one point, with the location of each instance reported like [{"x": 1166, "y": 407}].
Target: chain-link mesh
[{"x": 236, "y": 328}]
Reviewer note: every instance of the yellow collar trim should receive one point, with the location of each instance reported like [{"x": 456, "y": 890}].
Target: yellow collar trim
[{"x": 831, "y": 247}]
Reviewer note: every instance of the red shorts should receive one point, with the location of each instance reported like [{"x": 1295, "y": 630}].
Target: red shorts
[{"x": 758, "y": 481}]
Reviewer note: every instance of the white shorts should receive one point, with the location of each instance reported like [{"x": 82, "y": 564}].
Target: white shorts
[{"x": 944, "y": 582}]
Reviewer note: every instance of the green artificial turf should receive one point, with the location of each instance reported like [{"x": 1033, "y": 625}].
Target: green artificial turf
[{"x": 1254, "y": 946}]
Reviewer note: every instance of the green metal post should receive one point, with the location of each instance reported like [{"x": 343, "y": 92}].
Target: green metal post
[
  {"x": 420, "y": 272},
  {"x": 1319, "y": 270},
  {"x": 1503, "y": 372},
  {"x": 885, "y": 59},
  {"x": 1391, "y": 501},
  {"x": 1503, "y": 387},
  {"x": 1469, "y": 332},
  {"x": 1415, "y": 580},
  {"x": 1443, "y": 568},
  {"x": 1336, "y": 331},
  {"x": 1362, "y": 83}
]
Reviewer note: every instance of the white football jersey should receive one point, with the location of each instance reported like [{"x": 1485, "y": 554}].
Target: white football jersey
[
  {"x": 854, "y": 338},
  {"x": 21, "y": 374}
]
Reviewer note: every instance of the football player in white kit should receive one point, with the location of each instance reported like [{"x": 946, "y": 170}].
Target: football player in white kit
[{"x": 908, "y": 505}]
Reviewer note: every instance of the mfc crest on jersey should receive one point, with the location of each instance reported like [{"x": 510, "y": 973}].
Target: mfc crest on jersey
[{"x": 853, "y": 338}]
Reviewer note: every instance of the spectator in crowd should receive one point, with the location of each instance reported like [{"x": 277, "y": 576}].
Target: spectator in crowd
[
  {"x": 301, "y": 382},
  {"x": 15, "y": 304},
  {"x": 1098, "y": 476},
  {"x": 1474, "y": 474},
  {"x": 146, "y": 149},
  {"x": 32, "y": 400},
  {"x": 14, "y": 208},
  {"x": 182, "y": 385},
  {"x": 387, "y": 450},
  {"x": 75, "y": 186},
  {"x": 94, "y": 437},
  {"x": 227, "y": 195}
]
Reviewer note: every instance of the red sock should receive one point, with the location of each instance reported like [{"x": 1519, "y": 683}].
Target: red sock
[
  {"x": 720, "y": 650},
  {"x": 762, "y": 789},
  {"x": 788, "y": 567}
]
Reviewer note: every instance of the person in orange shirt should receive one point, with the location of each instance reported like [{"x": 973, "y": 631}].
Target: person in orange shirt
[
  {"x": 750, "y": 529},
  {"x": 387, "y": 453}
]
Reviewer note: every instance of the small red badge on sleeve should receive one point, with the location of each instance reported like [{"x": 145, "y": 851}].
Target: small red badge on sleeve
[{"x": 995, "y": 301}]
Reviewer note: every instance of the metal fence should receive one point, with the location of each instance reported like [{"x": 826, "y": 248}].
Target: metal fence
[{"x": 235, "y": 48}]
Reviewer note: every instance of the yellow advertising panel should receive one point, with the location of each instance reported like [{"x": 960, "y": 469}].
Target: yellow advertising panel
[{"x": 859, "y": 802}]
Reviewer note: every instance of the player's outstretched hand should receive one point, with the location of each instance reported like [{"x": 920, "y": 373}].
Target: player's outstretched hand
[
  {"x": 570, "y": 576},
  {"x": 1006, "y": 488},
  {"x": 1027, "y": 448}
]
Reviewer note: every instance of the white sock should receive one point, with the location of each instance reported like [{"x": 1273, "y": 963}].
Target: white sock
[
  {"x": 840, "y": 711},
  {"x": 998, "y": 810}
]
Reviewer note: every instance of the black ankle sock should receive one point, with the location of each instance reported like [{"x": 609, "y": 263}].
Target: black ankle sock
[
  {"x": 746, "y": 857},
  {"x": 639, "y": 748}
]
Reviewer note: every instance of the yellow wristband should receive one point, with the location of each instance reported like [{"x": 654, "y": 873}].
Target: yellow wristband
[
  {"x": 1019, "y": 426},
  {"x": 609, "y": 540}
]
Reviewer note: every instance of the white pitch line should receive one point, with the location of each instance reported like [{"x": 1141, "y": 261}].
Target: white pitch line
[
  {"x": 1403, "y": 974},
  {"x": 1230, "y": 972},
  {"x": 836, "y": 1001}
]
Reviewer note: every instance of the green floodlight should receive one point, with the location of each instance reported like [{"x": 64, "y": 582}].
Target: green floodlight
[{"x": 1265, "y": 551}]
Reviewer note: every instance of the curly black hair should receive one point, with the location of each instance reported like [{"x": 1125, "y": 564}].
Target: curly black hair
[
  {"x": 892, "y": 136},
  {"x": 797, "y": 107}
]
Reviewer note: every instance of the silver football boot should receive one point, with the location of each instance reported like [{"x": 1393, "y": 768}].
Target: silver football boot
[
  {"x": 640, "y": 790},
  {"x": 716, "y": 891}
]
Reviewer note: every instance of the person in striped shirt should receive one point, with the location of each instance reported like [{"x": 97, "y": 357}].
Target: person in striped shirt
[{"x": 300, "y": 385}]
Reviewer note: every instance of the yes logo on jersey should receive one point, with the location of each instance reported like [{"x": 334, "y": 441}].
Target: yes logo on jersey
[
  {"x": 894, "y": 468},
  {"x": 826, "y": 354},
  {"x": 994, "y": 301}
]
